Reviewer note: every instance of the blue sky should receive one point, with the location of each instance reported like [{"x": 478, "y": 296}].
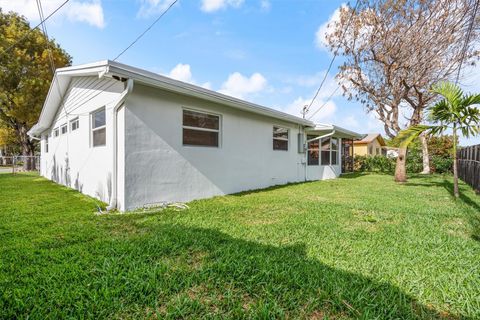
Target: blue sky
[{"x": 264, "y": 51}]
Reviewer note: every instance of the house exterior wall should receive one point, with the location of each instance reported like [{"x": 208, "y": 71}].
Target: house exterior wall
[
  {"x": 160, "y": 168},
  {"x": 71, "y": 160},
  {"x": 370, "y": 149}
]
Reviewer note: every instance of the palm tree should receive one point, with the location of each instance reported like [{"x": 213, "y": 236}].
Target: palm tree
[{"x": 456, "y": 112}]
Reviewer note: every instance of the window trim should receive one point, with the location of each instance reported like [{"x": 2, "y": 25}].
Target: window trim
[
  {"x": 92, "y": 129},
  {"x": 46, "y": 143},
  {"x": 61, "y": 129},
  {"x": 56, "y": 132},
  {"x": 337, "y": 151},
  {"x": 77, "y": 120},
  {"x": 281, "y": 139},
  {"x": 219, "y": 130}
]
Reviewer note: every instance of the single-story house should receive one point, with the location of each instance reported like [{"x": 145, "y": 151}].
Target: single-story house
[
  {"x": 371, "y": 144},
  {"x": 134, "y": 138}
]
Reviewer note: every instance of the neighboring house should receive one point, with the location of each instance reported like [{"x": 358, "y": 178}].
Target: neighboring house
[
  {"x": 371, "y": 144},
  {"x": 133, "y": 138}
]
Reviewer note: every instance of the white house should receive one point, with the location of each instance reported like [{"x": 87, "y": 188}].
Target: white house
[{"x": 132, "y": 138}]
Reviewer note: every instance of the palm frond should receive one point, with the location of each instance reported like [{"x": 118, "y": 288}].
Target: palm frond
[
  {"x": 470, "y": 100},
  {"x": 405, "y": 137},
  {"x": 450, "y": 91}
]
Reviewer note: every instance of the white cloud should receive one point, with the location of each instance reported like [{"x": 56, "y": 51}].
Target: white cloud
[
  {"x": 181, "y": 72},
  {"x": 215, "y": 5},
  {"x": 327, "y": 28},
  {"x": 325, "y": 114},
  {"x": 90, "y": 12},
  {"x": 265, "y": 5},
  {"x": 238, "y": 85},
  {"x": 152, "y": 7}
]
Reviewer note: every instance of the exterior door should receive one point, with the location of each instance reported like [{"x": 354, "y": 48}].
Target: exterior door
[{"x": 347, "y": 155}]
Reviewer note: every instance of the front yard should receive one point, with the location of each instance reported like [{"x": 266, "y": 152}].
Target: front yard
[{"x": 356, "y": 247}]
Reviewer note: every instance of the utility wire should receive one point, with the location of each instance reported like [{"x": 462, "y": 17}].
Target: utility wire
[
  {"x": 342, "y": 36},
  {"x": 467, "y": 39},
  {"x": 325, "y": 103},
  {"x": 146, "y": 30},
  {"x": 41, "y": 23}
]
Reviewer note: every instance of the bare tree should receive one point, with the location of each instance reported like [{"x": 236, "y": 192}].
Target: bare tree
[{"x": 395, "y": 51}]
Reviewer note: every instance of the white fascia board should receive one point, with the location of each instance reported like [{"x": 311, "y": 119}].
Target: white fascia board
[
  {"x": 339, "y": 130},
  {"x": 156, "y": 80}
]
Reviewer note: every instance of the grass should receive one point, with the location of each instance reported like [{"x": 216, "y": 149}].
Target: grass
[{"x": 356, "y": 247}]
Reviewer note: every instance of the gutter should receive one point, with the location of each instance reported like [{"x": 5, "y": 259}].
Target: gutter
[
  {"x": 306, "y": 149},
  {"x": 118, "y": 105}
]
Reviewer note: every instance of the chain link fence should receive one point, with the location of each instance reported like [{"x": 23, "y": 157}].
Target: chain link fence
[{"x": 15, "y": 164}]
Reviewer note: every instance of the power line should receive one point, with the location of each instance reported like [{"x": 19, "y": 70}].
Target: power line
[
  {"x": 146, "y": 30},
  {"x": 342, "y": 36},
  {"x": 325, "y": 103},
  {"x": 467, "y": 39},
  {"x": 41, "y": 23}
]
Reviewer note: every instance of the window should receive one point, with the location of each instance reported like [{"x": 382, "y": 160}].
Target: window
[
  {"x": 200, "y": 129},
  {"x": 280, "y": 138},
  {"x": 325, "y": 152},
  {"x": 370, "y": 150},
  {"x": 55, "y": 132},
  {"x": 46, "y": 144},
  {"x": 63, "y": 129},
  {"x": 74, "y": 124},
  {"x": 313, "y": 151},
  {"x": 334, "y": 148},
  {"x": 378, "y": 151},
  {"x": 99, "y": 136}
]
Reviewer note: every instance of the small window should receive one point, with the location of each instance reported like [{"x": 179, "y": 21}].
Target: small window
[
  {"x": 99, "y": 135},
  {"x": 46, "y": 144},
  {"x": 56, "y": 132},
  {"x": 200, "y": 129},
  {"x": 313, "y": 151},
  {"x": 280, "y": 138},
  {"x": 325, "y": 152},
  {"x": 74, "y": 124},
  {"x": 334, "y": 151},
  {"x": 370, "y": 150},
  {"x": 64, "y": 129}
]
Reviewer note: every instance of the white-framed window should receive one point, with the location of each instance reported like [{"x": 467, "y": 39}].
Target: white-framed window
[
  {"x": 325, "y": 151},
  {"x": 74, "y": 124},
  {"x": 200, "y": 129},
  {"x": 56, "y": 132},
  {"x": 63, "y": 129},
  {"x": 99, "y": 128},
  {"x": 280, "y": 138},
  {"x": 334, "y": 149}
]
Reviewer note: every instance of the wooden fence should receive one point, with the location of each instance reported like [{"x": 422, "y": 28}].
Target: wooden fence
[{"x": 469, "y": 166}]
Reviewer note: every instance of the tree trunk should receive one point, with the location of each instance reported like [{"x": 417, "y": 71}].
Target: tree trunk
[
  {"x": 27, "y": 148},
  {"x": 455, "y": 167},
  {"x": 400, "y": 168},
  {"x": 425, "y": 155}
]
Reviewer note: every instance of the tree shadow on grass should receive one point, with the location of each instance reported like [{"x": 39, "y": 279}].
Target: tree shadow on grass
[
  {"x": 172, "y": 271},
  {"x": 465, "y": 197}
]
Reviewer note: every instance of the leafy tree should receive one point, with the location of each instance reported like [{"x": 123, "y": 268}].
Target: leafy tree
[
  {"x": 25, "y": 75},
  {"x": 456, "y": 112},
  {"x": 394, "y": 51}
]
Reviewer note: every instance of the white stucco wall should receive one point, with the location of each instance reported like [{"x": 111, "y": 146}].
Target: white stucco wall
[
  {"x": 71, "y": 159},
  {"x": 159, "y": 168}
]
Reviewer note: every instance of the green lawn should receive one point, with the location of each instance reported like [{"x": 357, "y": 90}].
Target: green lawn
[{"x": 355, "y": 247}]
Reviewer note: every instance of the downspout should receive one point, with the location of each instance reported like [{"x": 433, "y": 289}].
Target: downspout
[
  {"x": 306, "y": 149},
  {"x": 121, "y": 100}
]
